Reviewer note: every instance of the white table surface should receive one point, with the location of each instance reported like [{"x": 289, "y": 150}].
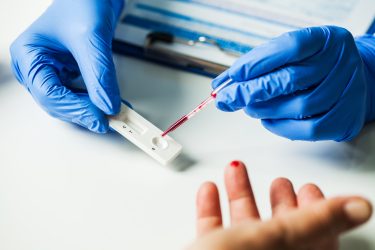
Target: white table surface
[{"x": 62, "y": 187}]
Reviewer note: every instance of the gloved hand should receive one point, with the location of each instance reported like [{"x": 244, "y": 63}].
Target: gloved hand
[
  {"x": 311, "y": 84},
  {"x": 71, "y": 38}
]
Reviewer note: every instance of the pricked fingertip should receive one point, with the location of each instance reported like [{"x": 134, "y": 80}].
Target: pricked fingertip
[{"x": 235, "y": 164}]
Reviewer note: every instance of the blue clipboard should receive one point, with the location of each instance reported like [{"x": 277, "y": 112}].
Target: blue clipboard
[
  {"x": 177, "y": 61},
  {"x": 174, "y": 60}
]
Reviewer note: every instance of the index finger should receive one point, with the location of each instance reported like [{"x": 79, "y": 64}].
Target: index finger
[{"x": 240, "y": 194}]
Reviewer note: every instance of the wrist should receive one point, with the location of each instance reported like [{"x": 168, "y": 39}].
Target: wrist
[{"x": 366, "y": 48}]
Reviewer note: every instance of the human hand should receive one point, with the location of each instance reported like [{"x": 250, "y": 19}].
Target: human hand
[
  {"x": 71, "y": 38},
  {"x": 311, "y": 84},
  {"x": 299, "y": 221}
]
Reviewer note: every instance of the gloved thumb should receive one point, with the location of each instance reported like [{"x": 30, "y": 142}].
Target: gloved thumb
[
  {"x": 94, "y": 58},
  {"x": 222, "y": 98}
]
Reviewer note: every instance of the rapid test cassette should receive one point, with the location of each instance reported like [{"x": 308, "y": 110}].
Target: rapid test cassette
[{"x": 145, "y": 135}]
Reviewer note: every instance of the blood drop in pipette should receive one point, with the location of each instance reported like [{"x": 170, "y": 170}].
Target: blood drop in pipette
[{"x": 201, "y": 106}]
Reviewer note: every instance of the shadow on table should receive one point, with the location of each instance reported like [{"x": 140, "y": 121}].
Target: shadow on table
[
  {"x": 356, "y": 155},
  {"x": 363, "y": 148},
  {"x": 355, "y": 242},
  {"x": 5, "y": 73},
  {"x": 182, "y": 163}
]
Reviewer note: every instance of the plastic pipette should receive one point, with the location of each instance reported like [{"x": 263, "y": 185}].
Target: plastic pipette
[{"x": 201, "y": 106}]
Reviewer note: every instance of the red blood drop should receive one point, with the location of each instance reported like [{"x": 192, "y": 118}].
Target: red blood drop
[{"x": 235, "y": 164}]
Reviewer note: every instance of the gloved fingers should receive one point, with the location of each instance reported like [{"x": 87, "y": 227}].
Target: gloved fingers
[
  {"x": 62, "y": 103},
  {"x": 94, "y": 58},
  {"x": 338, "y": 124},
  {"x": 316, "y": 68},
  {"x": 279, "y": 83},
  {"x": 289, "y": 48},
  {"x": 25, "y": 51},
  {"x": 342, "y": 122},
  {"x": 285, "y": 81},
  {"x": 302, "y": 104},
  {"x": 295, "y": 106},
  {"x": 65, "y": 66},
  {"x": 305, "y": 130},
  {"x": 220, "y": 79}
]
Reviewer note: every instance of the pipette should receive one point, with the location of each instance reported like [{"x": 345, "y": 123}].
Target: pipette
[{"x": 201, "y": 106}]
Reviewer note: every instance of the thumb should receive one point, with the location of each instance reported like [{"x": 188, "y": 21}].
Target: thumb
[
  {"x": 94, "y": 58},
  {"x": 327, "y": 218}
]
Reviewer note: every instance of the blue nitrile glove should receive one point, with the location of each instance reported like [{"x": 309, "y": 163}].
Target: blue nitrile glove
[
  {"x": 312, "y": 84},
  {"x": 71, "y": 38}
]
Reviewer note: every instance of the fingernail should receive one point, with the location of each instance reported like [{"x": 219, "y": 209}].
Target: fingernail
[
  {"x": 235, "y": 164},
  {"x": 358, "y": 210}
]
